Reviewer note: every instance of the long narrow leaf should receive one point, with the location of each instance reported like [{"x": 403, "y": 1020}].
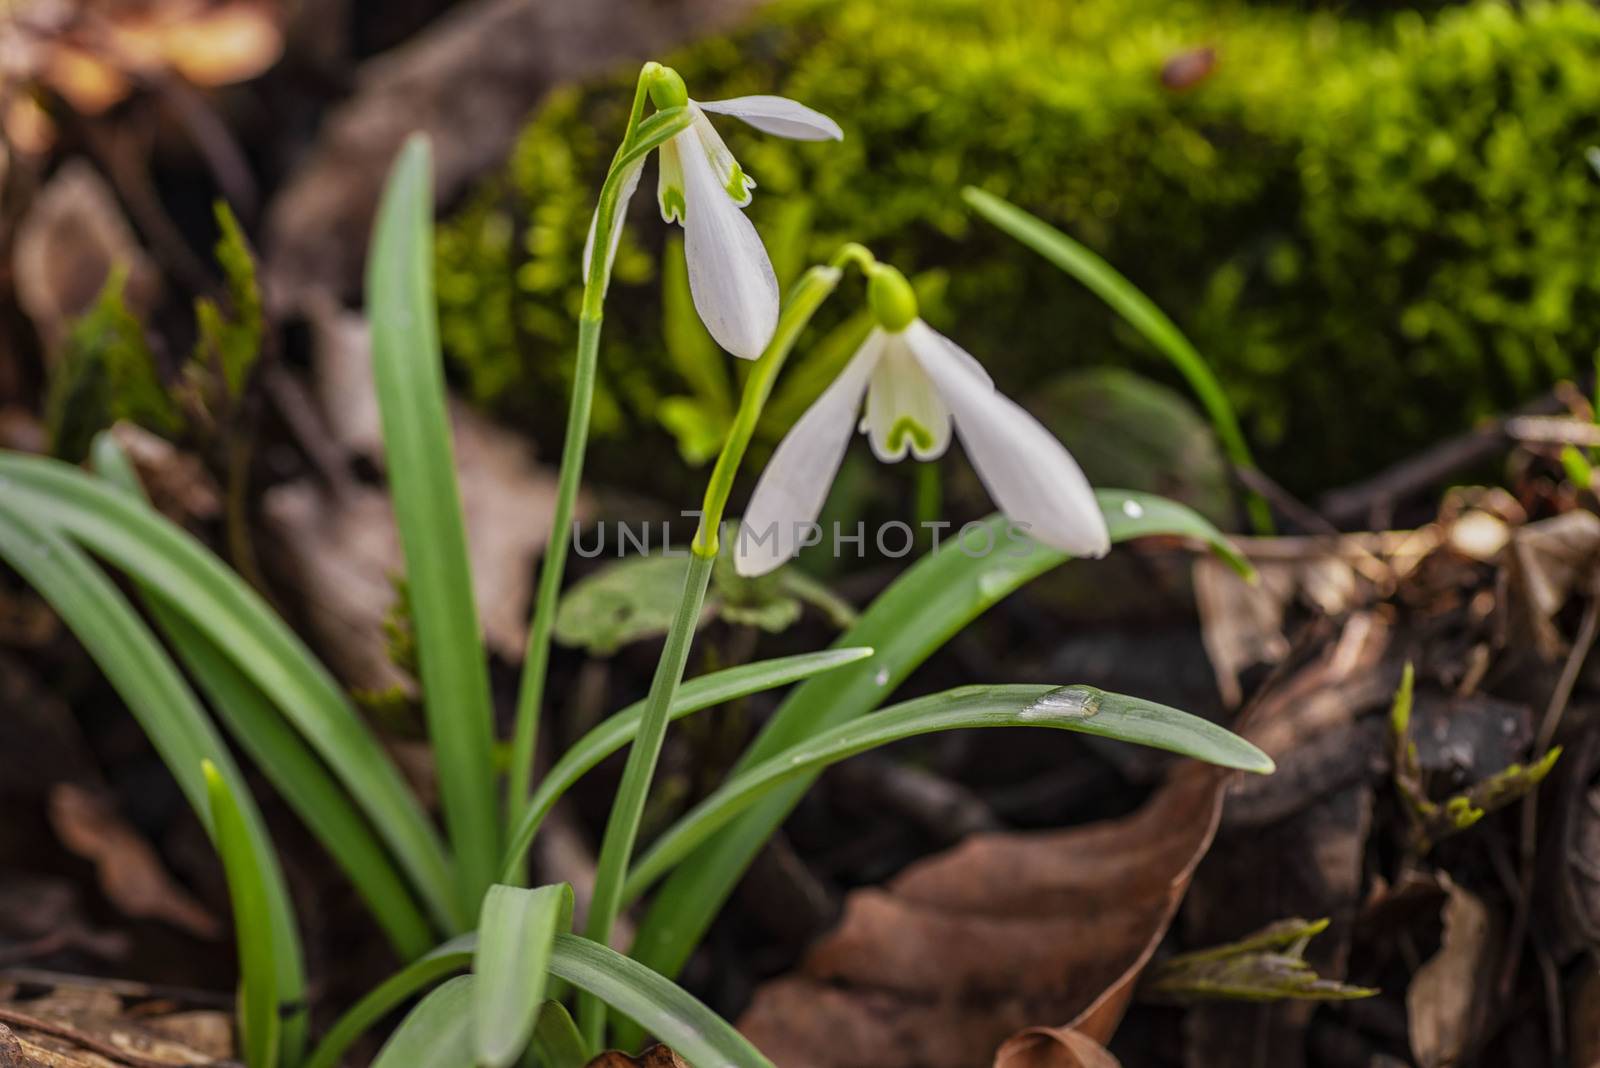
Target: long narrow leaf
[
  {"x": 515, "y": 932},
  {"x": 259, "y": 1029},
  {"x": 452, "y": 956},
  {"x": 435, "y": 1034},
  {"x": 282, "y": 754},
  {"x": 556, "y": 1041},
  {"x": 1074, "y": 708},
  {"x": 190, "y": 579},
  {"x": 695, "y": 695},
  {"x": 171, "y": 716},
  {"x": 1140, "y": 312},
  {"x": 409, "y": 373},
  {"x": 928, "y": 604},
  {"x": 654, "y": 1003}
]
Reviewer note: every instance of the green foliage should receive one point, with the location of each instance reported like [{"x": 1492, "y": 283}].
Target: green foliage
[
  {"x": 106, "y": 372},
  {"x": 634, "y": 598},
  {"x": 230, "y": 339},
  {"x": 1266, "y": 966},
  {"x": 1343, "y": 214}
]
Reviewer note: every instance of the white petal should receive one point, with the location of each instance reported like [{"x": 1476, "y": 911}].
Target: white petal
[
  {"x": 669, "y": 185},
  {"x": 1030, "y": 474},
  {"x": 735, "y": 182},
  {"x": 920, "y": 333},
  {"x": 630, "y": 183},
  {"x": 732, "y": 281},
  {"x": 904, "y": 409},
  {"x": 779, "y": 115},
  {"x": 795, "y": 483}
]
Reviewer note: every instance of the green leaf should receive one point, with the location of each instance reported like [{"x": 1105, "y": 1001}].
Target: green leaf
[
  {"x": 105, "y": 372},
  {"x": 230, "y": 339},
  {"x": 435, "y": 1034},
  {"x": 625, "y": 601},
  {"x": 654, "y": 1003},
  {"x": 408, "y": 371},
  {"x": 189, "y": 578},
  {"x": 280, "y": 753},
  {"x": 515, "y": 932},
  {"x": 259, "y": 1030},
  {"x": 1266, "y": 966},
  {"x": 1074, "y": 708},
  {"x": 146, "y": 679},
  {"x": 635, "y": 598},
  {"x": 928, "y": 604},
  {"x": 695, "y": 695},
  {"x": 697, "y": 426},
  {"x": 382, "y": 999},
  {"x": 1140, "y": 312},
  {"x": 556, "y": 1041}
]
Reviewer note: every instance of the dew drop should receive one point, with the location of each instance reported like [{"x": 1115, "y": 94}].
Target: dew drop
[
  {"x": 1132, "y": 509},
  {"x": 882, "y": 677},
  {"x": 1068, "y": 702}
]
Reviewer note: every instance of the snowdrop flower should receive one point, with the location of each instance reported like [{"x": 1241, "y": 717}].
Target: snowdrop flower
[
  {"x": 703, "y": 189},
  {"x": 918, "y": 385}
]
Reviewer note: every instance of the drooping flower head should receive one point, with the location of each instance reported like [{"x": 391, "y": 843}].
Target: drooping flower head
[
  {"x": 918, "y": 386},
  {"x": 703, "y": 189}
]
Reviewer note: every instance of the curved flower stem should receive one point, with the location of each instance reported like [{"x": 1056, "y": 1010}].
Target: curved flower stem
[
  {"x": 641, "y": 137},
  {"x": 622, "y": 829}
]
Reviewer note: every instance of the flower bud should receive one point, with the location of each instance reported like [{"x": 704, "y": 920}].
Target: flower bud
[
  {"x": 891, "y": 298},
  {"x": 667, "y": 89}
]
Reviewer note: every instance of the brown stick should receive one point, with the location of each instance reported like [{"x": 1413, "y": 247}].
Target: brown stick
[{"x": 1355, "y": 503}]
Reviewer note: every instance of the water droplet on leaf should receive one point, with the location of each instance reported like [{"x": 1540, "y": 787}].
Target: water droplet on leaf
[{"x": 1068, "y": 702}]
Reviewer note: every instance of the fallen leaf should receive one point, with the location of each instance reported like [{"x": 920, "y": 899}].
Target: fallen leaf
[
  {"x": 654, "y": 1057},
  {"x": 131, "y": 875},
  {"x": 205, "y": 1030},
  {"x": 1053, "y": 1047},
  {"x": 68, "y": 244},
  {"x": 94, "y": 55},
  {"x": 179, "y": 485},
  {"x": 469, "y": 84},
  {"x": 975, "y": 945},
  {"x": 1445, "y": 999},
  {"x": 1548, "y": 561}
]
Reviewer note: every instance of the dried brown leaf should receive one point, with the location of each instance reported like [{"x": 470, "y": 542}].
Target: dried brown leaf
[
  {"x": 131, "y": 875},
  {"x": 654, "y": 1057},
  {"x": 72, "y": 238},
  {"x": 1446, "y": 994},
  {"x": 975, "y": 945}
]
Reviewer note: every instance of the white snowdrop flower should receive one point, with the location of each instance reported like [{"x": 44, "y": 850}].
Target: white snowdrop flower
[
  {"x": 703, "y": 189},
  {"x": 918, "y": 385}
]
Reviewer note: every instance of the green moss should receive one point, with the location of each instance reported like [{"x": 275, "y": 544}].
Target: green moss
[{"x": 1375, "y": 230}]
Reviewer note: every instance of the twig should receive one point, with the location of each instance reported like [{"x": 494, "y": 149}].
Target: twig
[
  {"x": 93, "y": 1043},
  {"x": 1357, "y": 502},
  {"x": 1263, "y": 485},
  {"x": 1559, "y": 697}
]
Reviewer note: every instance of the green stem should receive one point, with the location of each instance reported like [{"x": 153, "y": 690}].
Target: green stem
[
  {"x": 626, "y": 812},
  {"x": 804, "y": 299},
  {"x": 642, "y": 137},
  {"x": 536, "y": 664},
  {"x": 622, "y": 829}
]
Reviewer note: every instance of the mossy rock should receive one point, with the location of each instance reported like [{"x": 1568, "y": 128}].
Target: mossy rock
[{"x": 1377, "y": 230}]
